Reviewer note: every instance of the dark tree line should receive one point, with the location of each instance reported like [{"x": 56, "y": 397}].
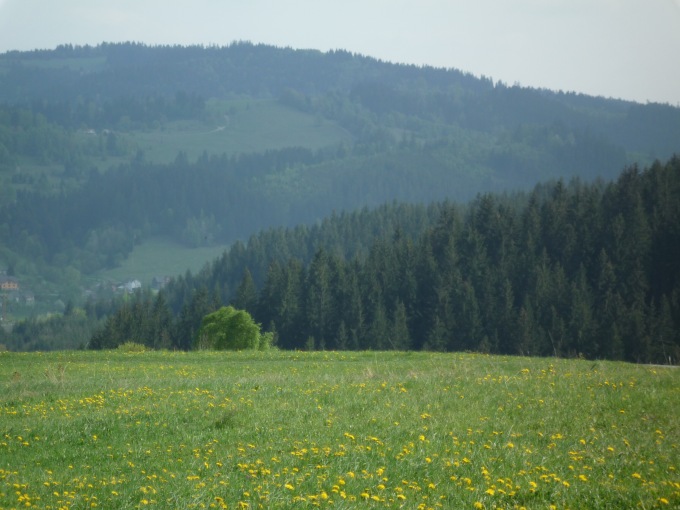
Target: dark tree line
[{"x": 568, "y": 270}]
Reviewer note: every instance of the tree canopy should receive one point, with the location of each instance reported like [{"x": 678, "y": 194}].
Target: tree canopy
[
  {"x": 233, "y": 330},
  {"x": 570, "y": 270}
]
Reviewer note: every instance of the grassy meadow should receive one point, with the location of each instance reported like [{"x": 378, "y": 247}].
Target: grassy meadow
[
  {"x": 344, "y": 430},
  {"x": 235, "y": 127},
  {"x": 160, "y": 256}
]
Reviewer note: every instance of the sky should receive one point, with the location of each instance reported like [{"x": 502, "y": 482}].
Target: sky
[{"x": 627, "y": 49}]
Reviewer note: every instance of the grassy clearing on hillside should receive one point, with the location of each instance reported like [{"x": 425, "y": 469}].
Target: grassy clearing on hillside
[
  {"x": 244, "y": 126},
  {"x": 347, "y": 430},
  {"x": 161, "y": 257}
]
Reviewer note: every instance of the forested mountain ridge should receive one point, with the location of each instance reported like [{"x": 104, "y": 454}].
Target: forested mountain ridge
[
  {"x": 569, "y": 269},
  {"x": 98, "y": 86},
  {"x": 104, "y": 147}
]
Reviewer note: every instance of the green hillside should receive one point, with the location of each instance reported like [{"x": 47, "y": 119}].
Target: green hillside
[
  {"x": 157, "y": 257},
  {"x": 234, "y": 127},
  {"x": 103, "y": 148}
]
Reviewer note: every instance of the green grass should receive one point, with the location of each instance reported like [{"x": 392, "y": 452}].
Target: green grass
[
  {"x": 243, "y": 126},
  {"x": 160, "y": 257},
  {"x": 344, "y": 430}
]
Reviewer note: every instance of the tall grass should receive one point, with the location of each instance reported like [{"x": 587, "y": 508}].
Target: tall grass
[{"x": 347, "y": 430}]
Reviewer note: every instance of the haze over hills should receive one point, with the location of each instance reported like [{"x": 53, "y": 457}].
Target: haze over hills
[{"x": 103, "y": 148}]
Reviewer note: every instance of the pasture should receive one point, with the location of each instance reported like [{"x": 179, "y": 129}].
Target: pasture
[
  {"x": 159, "y": 256},
  {"x": 335, "y": 429},
  {"x": 237, "y": 127}
]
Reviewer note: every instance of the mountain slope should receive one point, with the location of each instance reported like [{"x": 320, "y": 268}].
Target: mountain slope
[{"x": 102, "y": 147}]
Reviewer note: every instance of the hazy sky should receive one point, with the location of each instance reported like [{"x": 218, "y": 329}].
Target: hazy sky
[{"x": 626, "y": 49}]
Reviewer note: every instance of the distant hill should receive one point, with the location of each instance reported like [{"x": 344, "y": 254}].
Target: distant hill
[{"x": 103, "y": 147}]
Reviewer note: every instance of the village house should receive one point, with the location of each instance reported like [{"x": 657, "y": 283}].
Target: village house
[
  {"x": 130, "y": 286},
  {"x": 8, "y": 283}
]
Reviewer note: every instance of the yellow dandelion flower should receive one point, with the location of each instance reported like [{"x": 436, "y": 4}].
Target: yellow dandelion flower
[{"x": 478, "y": 505}]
